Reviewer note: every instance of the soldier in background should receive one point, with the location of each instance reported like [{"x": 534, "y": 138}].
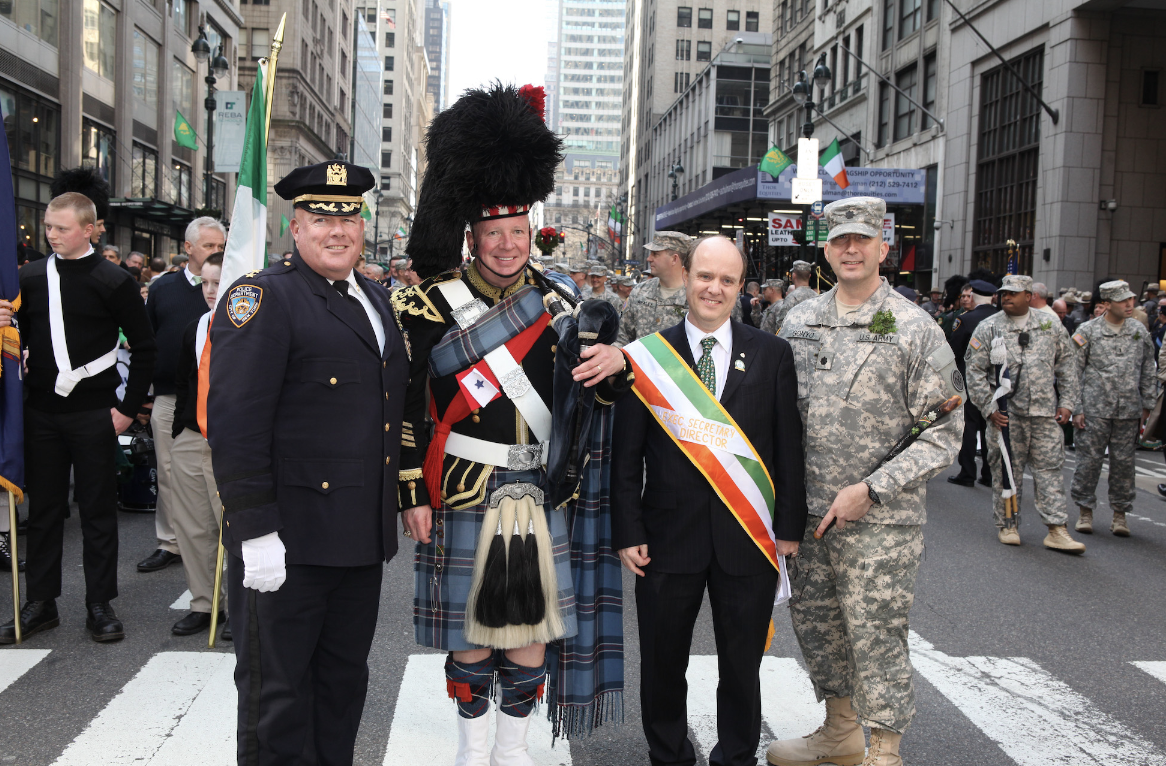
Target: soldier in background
[
  {"x": 767, "y": 318},
  {"x": 597, "y": 277},
  {"x": 578, "y": 274},
  {"x": 934, "y": 303},
  {"x": 658, "y": 303},
  {"x": 1039, "y": 353},
  {"x": 869, "y": 364},
  {"x": 623, "y": 289},
  {"x": 800, "y": 275},
  {"x": 1115, "y": 357}
]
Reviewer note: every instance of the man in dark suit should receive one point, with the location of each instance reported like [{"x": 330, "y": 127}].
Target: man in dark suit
[
  {"x": 974, "y": 422},
  {"x": 678, "y": 535},
  {"x": 307, "y": 385}
]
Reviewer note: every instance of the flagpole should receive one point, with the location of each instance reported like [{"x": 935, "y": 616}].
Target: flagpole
[
  {"x": 15, "y": 562},
  {"x": 269, "y": 92}
]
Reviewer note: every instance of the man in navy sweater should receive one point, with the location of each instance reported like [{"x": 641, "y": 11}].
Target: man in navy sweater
[{"x": 175, "y": 301}]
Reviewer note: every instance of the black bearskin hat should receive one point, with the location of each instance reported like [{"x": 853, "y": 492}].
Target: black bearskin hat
[
  {"x": 85, "y": 181},
  {"x": 490, "y": 149}
]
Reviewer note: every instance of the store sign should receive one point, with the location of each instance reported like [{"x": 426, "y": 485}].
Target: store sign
[
  {"x": 889, "y": 229},
  {"x": 898, "y": 186},
  {"x": 230, "y": 129},
  {"x": 782, "y": 227}
]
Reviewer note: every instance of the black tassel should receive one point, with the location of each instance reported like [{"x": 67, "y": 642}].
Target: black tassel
[
  {"x": 516, "y": 595},
  {"x": 538, "y": 603},
  {"x": 491, "y": 607}
]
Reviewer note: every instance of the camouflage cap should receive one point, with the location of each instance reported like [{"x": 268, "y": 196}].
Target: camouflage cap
[
  {"x": 801, "y": 267},
  {"x": 856, "y": 215},
  {"x": 597, "y": 270},
  {"x": 1015, "y": 283},
  {"x": 576, "y": 268},
  {"x": 1086, "y": 296},
  {"x": 561, "y": 267},
  {"x": 1117, "y": 290},
  {"x": 776, "y": 284},
  {"x": 670, "y": 240},
  {"x": 1070, "y": 297}
]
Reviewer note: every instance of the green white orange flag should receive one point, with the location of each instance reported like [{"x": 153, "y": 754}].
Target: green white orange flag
[
  {"x": 247, "y": 243},
  {"x": 831, "y": 160}
]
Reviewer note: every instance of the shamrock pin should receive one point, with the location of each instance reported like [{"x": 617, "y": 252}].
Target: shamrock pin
[
  {"x": 883, "y": 323},
  {"x": 1046, "y": 325}
]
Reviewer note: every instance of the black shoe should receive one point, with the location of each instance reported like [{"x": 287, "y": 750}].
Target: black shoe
[
  {"x": 961, "y": 481},
  {"x": 34, "y": 617},
  {"x": 6, "y": 554},
  {"x": 103, "y": 623},
  {"x": 225, "y": 633},
  {"x": 195, "y": 622},
  {"x": 158, "y": 560},
  {"x": 1162, "y": 490},
  {"x": 984, "y": 482}
]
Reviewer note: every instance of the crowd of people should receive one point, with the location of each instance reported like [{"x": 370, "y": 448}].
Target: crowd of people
[{"x": 535, "y": 426}]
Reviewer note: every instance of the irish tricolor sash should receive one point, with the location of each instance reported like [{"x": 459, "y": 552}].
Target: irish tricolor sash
[{"x": 709, "y": 436}]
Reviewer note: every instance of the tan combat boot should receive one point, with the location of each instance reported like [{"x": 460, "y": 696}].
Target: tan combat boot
[
  {"x": 839, "y": 740},
  {"x": 884, "y": 749},
  {"x": 1084, "y": 521},
  {"x": 1118, "y": 526},
  {"x": 1058, "y": 540},
  {"x": 1009, "y": 536}
]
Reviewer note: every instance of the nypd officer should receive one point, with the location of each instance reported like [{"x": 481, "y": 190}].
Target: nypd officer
[{"x": 307, "y": 383}]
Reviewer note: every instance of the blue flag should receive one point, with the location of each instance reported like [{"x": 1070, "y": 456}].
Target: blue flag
[{"x": 11, "y": 383}]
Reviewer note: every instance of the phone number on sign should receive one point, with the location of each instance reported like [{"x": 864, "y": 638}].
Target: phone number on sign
[{"x": 894, "y": 184}]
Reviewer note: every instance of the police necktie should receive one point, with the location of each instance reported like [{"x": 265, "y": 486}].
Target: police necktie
[
  {"x": 355, "y": 308},
  {"x": 705, "y": 367}
]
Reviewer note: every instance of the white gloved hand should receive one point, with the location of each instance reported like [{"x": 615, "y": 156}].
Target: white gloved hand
[{"x": 263, "y": 565}]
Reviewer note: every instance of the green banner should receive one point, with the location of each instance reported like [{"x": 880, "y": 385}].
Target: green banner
[{"x": 183, "y": 133}]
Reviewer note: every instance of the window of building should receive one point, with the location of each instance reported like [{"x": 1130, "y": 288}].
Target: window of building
[
  {"x": 145, "y": 68},
  {"x": 1150, "y": 88},
  {"x": 681, "y": 82},
  {"x": 387, "y": 111},
  {"x": 386, "y": 159},
  {"x": 909, "y": 17},
  {"x": 858, "y": 52},
  {"x": 390, "y": 39},
  {"x": 182, "y": 14},
  {"x": 303, "y": 53},
  {"x": 704, "y": 50},
  {"x": 144, "y": 173},
  {"x": 733, "y": 20},
  {"x": 1007, "y": 164},
  {"x": 178, "y": 185},
  {"x": 704, "y": 18},
  {"x": 884, "y": 134},
  {"x": 907, "y": 81},
  {"x": 343, "y": 101},
  {"x": 36, "y": 16},
  {"x": 100, "y": 37},
  {"x": 752, "y": 20},
  {"x": 388, "y": 63},
  {"x": 182, "y": 88},
  {"x": 932, "y": 9},
  {"x": 260, "y": 43},
  {"x": 930, "y": 70},
  {"x": 387, "y": 135},
  {"x": 888, "y": 24},
  {"x": 684, "y": 16},
  {"x": 683, "y": 50},
  {"x": 388, "y": 87}
]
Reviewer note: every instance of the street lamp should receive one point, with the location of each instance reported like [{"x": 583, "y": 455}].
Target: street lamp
[
  {"x": 675, "y": 173},
  {"x": 218, "y": 69},
  {"x": 803, "y": 92}
]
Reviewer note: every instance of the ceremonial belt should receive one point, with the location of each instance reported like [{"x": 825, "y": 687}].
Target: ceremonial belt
[
  {"x": 707, "y": 434},
  {"x": 514, "y": 457},
  {"x": 67, "y": 376}
]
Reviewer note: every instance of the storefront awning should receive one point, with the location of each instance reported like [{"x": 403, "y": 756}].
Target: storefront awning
[{"x": 152, "y": 215}]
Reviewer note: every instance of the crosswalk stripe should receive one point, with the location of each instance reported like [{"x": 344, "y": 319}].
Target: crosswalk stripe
[
  {"x": 135, "y": 726},
  {"x": 424, "y": 721},
  {"x": 1156, "y": 669},
  {"x": 1035, "y": 718},
  {"x": 183, "y": 601},
  {"x": 787, "y": 699},
  {"x": 16, "y": 662},
  {"x": 207, "y": 734}
]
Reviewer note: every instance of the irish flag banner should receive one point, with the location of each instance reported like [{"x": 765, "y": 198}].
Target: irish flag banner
[
  {"x": 831, "y": 160},
  {"x": 247, "y": 243},
  {"x": 615, "y": 224}
]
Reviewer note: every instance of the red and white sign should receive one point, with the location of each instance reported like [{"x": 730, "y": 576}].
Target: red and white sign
[
  {"x": 782, "y": 227},
  {"x": 889, "y": 229}
]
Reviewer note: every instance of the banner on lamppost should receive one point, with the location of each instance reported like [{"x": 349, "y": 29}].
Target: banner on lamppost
[{"x": 230, "y": 129}]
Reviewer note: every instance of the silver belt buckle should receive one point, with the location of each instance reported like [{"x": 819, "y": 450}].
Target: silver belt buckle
[
  {"x": 524, "y": 457},
  {"x": 467, "y": 314},
  {"x": 517, "y": 491},
  {"x": 515, "y": 383}
]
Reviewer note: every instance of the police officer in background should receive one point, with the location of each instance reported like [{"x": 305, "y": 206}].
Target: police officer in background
[
  {"x": 974, "y": 423},
  {"x": 307, "y": 382}
]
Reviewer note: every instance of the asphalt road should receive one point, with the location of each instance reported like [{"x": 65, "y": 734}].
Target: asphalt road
[{"x": 1023, "y": 656}]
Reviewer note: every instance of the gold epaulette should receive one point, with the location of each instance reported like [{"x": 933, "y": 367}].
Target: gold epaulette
[{"x": 416, "y": 300}]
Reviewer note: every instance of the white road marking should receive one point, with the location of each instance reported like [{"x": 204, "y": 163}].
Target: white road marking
[
  {"x": 207, "y": 734},
  {"x": 16, "y": 662},
  {"x": 425, "y": 721},
  {"x": 787, "y": 700},
  {"x": 134, "y": 728},
  {"x": 183, "y": 602},
  {"x": 1035, "y": 718},
  {"x": 1156, "y": 669},
  {"x": 1145, "y": 518}
]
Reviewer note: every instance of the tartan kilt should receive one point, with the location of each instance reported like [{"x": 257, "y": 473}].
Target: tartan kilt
[{"x": 444, "y": 569}]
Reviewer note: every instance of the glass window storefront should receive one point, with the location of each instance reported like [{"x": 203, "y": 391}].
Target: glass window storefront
[{"x": 32, "y": 126}]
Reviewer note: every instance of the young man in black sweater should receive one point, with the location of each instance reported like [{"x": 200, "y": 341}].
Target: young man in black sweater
[
  {"x": 72, "y": 304},
  {"x": 175, "y": 301}
]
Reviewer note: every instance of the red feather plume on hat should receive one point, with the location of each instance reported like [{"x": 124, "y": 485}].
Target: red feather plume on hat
[{"x": 536, "y": 97}]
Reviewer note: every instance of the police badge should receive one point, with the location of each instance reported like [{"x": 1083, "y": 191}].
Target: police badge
[{"x": 243, "y": 303}]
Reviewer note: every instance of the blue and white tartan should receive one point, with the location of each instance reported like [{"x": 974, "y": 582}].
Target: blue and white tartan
[
  {"x": 461, "y": 349},
  {"x": 444, "y": 568}
]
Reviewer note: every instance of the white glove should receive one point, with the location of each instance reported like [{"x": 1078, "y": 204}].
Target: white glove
[{"x": 263, "y": 567}]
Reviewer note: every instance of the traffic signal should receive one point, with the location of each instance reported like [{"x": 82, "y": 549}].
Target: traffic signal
[{"x": 562, "y": 238}]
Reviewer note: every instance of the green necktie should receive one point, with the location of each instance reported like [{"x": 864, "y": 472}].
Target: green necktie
[{"x": 705, "y": 367}]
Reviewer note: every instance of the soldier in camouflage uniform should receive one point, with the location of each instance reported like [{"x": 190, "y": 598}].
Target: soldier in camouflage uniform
[
  {"x": 623, "y": 288},
  {"x": 870, "y": 363},
  {"x": 1039, "y": 353},
  {"x": 660, "y": 302},
  {"x": 1115, "y": 356},
  {"x": 800, "y": 276},
  {"x": 767, "y": 320},
  {"x": 597, "y": 277}
]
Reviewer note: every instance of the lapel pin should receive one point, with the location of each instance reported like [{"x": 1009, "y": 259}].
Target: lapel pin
[{"x": 739, "y": 366}]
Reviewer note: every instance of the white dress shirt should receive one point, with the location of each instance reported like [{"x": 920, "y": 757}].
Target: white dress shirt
[
  {"x": 374, "y": 317},
  {"x": 191, "y": 278},
  {"x": 722, "y": 350}
]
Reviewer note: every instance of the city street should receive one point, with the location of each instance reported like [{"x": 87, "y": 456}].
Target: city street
[{"x": 1022, "y": 656}]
